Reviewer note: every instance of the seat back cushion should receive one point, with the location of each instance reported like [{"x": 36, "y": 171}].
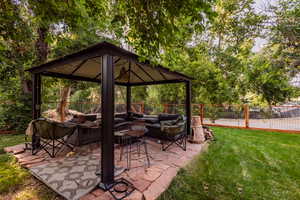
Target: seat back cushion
[
  {"x": 48, "y": 129},
  {"x": 164, "y": 117}
]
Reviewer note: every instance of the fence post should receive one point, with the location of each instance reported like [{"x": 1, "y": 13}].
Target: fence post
[
  {"x": 165, "y": 108},
  {"x": 142, "y": 107},
  {"x": 246, "y": 115},
  {"x": 201, "y": 113}
]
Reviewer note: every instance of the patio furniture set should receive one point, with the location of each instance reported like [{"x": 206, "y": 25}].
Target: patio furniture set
[
  {"x": 129, "y": 128},
  {"x": 131, "y": 133}
]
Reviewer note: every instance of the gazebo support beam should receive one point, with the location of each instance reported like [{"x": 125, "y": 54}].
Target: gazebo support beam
[
  {"x": 157, "y": 82},
  {"x": 36, "y": 104},
  {"x": 107, "y": 115},
  {"x": 188, "y": 108},
  {"x": 36, "y": 96},
  {"x": 128, "y": 99}
]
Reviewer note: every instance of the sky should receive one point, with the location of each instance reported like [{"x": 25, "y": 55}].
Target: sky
[{"x": 260, "y": 6}]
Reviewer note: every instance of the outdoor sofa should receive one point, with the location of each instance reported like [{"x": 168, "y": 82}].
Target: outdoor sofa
[
  {"x": 167, "y": 128},
  {"x": 89, "y": 129}
]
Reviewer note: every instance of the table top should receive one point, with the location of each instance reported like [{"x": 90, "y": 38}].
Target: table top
[{"x": 134, "y": 133}]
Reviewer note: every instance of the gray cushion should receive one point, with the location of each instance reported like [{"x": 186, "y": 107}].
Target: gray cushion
[{"x": 164, "y": 117}]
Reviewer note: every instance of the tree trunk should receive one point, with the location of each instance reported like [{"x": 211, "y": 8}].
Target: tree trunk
[
  {"x": 63, "y": 105},
  {"x": 220, "y": 40},
  {"x": 21, "y": 71},
  {"x": 41, "y": 45}
]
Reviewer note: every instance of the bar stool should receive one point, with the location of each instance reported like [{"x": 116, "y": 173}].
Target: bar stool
[{"x": 131, "y": 142}]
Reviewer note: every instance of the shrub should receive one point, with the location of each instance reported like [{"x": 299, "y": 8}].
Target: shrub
[{"x": 16, "y": 115}]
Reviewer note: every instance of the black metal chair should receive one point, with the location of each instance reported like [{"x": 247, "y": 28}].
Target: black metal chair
[
  {"x": 51, "y": 136},
  {"x": 174, "y": 133}
]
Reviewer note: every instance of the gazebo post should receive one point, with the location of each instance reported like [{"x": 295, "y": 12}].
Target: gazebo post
[
  {"x": 36, "y": 96},
  {"x": 128, "y": 99},
  {"x": 107, "y": 128},
  {"x": 188, "y": 106},
  {"x": 36, "y": 104}
]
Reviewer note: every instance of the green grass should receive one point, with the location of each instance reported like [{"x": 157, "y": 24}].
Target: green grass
[
  {"x": 16, "y": 182},
  {"x": 242, "y": 164},
  {"x": 10, "y": 140},
  {"x": 11, "y": 174}
]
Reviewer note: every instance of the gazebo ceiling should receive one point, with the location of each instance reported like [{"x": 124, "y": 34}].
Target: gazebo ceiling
[{"x": 128, "y": 70}]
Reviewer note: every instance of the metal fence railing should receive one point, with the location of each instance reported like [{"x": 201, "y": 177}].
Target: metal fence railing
[
  {"x": 230, "y": 115},
  {"x": 281, "y": 118},
  {"x": 285, "y": 118},
  {"x": 276, "y": 118}
]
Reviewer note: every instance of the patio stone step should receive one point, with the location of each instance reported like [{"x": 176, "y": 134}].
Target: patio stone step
[
  {"x": 17, "y": 149},
  {"x": 160, "y": 184}
]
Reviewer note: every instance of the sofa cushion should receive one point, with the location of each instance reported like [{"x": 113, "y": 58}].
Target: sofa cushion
[
  {"x": 135, "y": 115},
  {"x": 121, "y": 115},
  {"x": 156, "y": 125},
  {"x": 130, "y": 116},
  {"x": 150, "y": 120},
  {"x": 168, "y": 122},
  {"x": 164, "y": 117},
  {"x": 119, "y": 120}
]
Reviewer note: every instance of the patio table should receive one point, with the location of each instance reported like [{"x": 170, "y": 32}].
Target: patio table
[{"x": 127, "y": 138}]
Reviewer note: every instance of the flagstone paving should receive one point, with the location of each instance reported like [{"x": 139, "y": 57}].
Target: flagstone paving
[{"x": 149, "y": 182}]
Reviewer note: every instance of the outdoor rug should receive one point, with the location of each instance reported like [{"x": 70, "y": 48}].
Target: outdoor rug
[{"x": 71, "y": 177}]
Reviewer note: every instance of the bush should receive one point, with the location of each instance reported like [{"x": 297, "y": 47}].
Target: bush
[{"x": 16, "y": 115}]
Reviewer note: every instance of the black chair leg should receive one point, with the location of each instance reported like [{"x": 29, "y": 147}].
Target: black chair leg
[
  {"x": 180, "y": 142},
  {"x": 146, "y": 152}
]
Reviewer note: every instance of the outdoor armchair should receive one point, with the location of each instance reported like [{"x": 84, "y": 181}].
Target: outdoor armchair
[
  {"x": 169, "y": 129},
  {"x": 174, "y": 132},
  {"x": 51, "y": 136}
]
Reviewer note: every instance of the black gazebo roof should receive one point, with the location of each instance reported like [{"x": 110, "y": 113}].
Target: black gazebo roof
[{"x": 85, "y": 65}]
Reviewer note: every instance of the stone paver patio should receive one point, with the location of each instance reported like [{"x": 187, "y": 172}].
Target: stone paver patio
[{"x": 149, "y": 182}]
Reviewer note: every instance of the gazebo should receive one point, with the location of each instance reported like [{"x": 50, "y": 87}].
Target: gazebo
[{"x": 107, "y": 64}]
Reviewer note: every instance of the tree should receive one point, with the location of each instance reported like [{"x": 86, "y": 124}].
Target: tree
[
  {"x": 153, "y": 26},
  {"x": 268, "y": 79},
  {"x": 285, "y": 32}
]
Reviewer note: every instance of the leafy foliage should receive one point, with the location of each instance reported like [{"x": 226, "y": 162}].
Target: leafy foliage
[
  {"x": 208, "y": 40},
  {"x": 285, "y": 32},
  {"x": 150, "y": 26},
  {"x": 269, "y": 79}
]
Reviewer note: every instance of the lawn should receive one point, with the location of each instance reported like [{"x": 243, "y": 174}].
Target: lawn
[
  {"x": 242, "y": 164},
  {"x": 11, "y": 173},
  {"x": 15, "y": 182}
]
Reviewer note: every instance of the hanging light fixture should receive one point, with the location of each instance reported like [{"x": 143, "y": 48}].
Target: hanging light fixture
[{"x": 123, "y": 76}]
